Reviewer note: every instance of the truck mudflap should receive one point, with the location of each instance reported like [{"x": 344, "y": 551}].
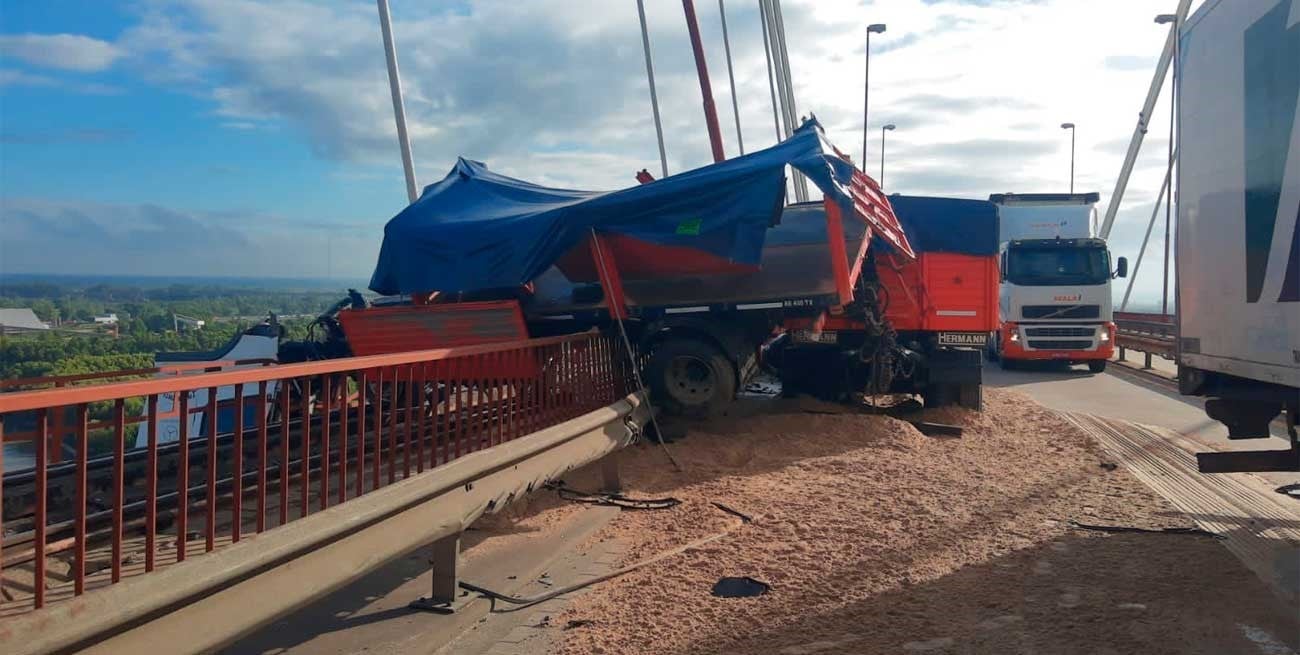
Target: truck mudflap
[
  {"x": 1249, "y": 418},
  {"x": 1250, "y": 461},
  {"x": 956, "y": 377}
]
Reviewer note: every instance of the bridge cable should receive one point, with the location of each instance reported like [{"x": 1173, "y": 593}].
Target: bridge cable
[{"x": 1155, "y": 211}]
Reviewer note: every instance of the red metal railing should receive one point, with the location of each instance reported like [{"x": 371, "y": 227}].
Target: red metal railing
[
  {"x": 329, "y": 431},
  {"x": 60, "y": 428}
]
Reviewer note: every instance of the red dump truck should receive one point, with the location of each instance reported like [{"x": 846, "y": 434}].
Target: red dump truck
[{"x": 708, "y": 273}]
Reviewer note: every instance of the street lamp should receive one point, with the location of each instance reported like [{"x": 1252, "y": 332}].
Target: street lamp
[
  {"x": 887, "y": 127},
  {"x": 878, "y": 28},
  {"x": 1172, "y": 21},
  {"x": 1070, "y": 127}
]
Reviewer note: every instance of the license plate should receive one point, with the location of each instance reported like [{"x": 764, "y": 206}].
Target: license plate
[
  {"x": 977, "y": 339},
  {"x": 808, "y": 336}
]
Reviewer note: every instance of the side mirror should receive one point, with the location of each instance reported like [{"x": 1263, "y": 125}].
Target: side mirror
[{"x": 1121, "y": 267}]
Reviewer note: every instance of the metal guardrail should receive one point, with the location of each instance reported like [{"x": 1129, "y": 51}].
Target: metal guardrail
[
  {"x": 348, "y": 427},
  {"x": 1148, "y": 333}
]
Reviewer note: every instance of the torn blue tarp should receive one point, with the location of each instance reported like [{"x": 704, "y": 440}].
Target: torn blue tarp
[
  {"x": 476, "y": 229},
  {"x": 954, "y": 225}
]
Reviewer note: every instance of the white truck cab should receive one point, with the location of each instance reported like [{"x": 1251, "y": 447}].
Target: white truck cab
[{"x": 1054, "y": 302}]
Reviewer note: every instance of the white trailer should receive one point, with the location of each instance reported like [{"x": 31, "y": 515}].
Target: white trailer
[
  {"x": 1054, "y": 302},
  {"x": 1238, "y": 244}
]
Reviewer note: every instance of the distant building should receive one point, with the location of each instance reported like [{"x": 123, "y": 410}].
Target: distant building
[
  {"x": 106, "y": 319},
  {"x": 187, "y": 322},
  {"x": 21, "y": 319}
]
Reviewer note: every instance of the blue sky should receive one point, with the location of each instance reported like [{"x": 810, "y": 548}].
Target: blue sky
[{"x": 255, "y": 137}]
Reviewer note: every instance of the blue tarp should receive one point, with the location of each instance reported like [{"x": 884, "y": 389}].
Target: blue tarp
[
  {"x": 476, "y": 229},
  {"x": 954, "y": 225}
]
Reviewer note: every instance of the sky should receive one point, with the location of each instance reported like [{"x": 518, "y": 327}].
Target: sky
[{"x": 256, "y": 137}]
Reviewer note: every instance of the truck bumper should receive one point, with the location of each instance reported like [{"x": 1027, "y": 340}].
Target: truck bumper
[{"x": 1015, "y": 343}]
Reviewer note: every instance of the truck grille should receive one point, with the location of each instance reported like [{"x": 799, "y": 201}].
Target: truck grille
[
  {"x": 1059, "y": 344},
  {"x": 1082, "y": 311},
  {"x": 1060, "y": 332}
]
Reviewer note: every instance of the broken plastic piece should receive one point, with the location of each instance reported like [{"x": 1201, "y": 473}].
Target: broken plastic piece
[{"x": 744, "y": 587}]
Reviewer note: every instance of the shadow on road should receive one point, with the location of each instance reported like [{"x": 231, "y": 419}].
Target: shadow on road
[{"x": 1033, "y": 373}]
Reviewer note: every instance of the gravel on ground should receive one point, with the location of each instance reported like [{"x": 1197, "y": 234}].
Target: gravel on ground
[{"x": 878, "y": 539}]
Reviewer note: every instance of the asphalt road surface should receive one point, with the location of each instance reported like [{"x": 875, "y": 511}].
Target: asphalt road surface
[{"x": 1124, "y": 393}]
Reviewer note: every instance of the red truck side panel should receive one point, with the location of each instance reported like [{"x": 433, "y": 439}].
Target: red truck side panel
[
  {"x": 404, "y": 328},
  {"x": 838, "y": 252},
  {"x": 941, "y": 292}
]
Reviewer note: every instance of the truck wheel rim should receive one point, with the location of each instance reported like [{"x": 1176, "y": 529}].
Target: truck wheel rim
[{"x": 690, "y": 379}]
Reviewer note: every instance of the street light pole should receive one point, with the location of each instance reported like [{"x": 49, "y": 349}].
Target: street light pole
[
  {"x": 866, "y": 87},
  {"x": 888, "y": 127},
  {"x": 1070, "y": 127},
  {"x": 1172, "y": 20}
]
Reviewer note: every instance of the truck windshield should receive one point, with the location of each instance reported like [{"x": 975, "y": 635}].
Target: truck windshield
[{"x": 1057, "y": 266}]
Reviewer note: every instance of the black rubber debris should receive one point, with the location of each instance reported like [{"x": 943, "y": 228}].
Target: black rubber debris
[
  {"x": 610, "y": 499},
  {"x": 1292, "y": 490},
  {"x": 930, "y": 429},
  {"x": 1126, "y": 528},
  {"x": 734, "y": 512},
  {"x": 578, "y": 623},
  {"x": 909, "y": 406},
  {"x": 740, "y": 588}
]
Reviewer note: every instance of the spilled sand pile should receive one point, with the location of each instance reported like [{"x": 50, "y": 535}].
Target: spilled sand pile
[{"x": 876, "y": 538}]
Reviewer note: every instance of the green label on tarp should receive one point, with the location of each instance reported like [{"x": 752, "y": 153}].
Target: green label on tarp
[{"x": 690, "y": 228}]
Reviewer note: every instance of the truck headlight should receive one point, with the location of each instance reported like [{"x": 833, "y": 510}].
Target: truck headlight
[
  {"x": 1104, "y": 336},
  {"x": 1015, "y": 336}
]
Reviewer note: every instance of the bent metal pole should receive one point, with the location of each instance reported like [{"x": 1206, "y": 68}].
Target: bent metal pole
[
  {"x": 399, "y": 109},
  {"x": 654, "y": 98},
  {"x": 702, "y": 69}
]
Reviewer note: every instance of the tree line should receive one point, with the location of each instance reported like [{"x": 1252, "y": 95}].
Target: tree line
[{"x": 145, "y": 323}]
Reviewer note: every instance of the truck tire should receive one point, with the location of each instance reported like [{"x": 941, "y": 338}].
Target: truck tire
[
  {"x": 691, "y": 378},
  {"x": 1097, "y": 365}
]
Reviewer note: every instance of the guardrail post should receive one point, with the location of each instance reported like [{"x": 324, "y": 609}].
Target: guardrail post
[
  {"x": 55, "y": 445},
  {"x": 446, "y": 580},
  {"x": 1146, "y": 360},
  {"x": 1122, "y": 352},
  {"x": 611, "y": 481}
]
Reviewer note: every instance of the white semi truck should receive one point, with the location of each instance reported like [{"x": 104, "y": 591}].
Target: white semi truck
[
  {"x": 1054, "y": 302},
  {"x": 1238, "y": 243}
]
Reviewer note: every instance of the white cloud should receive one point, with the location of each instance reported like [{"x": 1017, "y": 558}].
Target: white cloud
[
  {"x": 554, "y": 90},
  {"x": 10, "y": 77},
  {"x": 521, "y": 82},
  {"x": 72, "y": 52}
]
